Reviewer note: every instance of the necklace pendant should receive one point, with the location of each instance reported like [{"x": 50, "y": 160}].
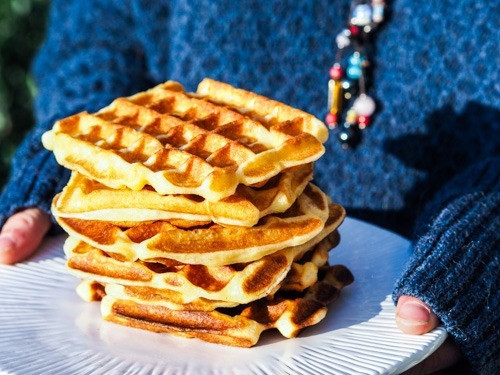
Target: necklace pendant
[{"x": 348, "y": 90}]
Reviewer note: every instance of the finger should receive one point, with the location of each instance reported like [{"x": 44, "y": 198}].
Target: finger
[
  {"x": 445, "y": 356},
  {"x": 414, "y": 317},
  {"x": 21, "y": 235}
]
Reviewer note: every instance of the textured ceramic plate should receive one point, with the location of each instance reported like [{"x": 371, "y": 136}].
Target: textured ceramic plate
[{"x": 46, "y": 329}]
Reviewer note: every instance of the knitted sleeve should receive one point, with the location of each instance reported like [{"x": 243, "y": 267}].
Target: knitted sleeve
[
  {"x": 89, "y": 57},
  {"x": 455, "y": 267}
]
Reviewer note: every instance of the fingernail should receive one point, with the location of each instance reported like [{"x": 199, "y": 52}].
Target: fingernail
[
  {"x": 414, "y": 312},
  {"x": 6, "y": 244}
]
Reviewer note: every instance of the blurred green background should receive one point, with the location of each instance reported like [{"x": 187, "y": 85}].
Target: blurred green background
[{"x": 21, "y": 31}]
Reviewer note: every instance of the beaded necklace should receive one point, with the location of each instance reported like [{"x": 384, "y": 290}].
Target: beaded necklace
[{"x": 348, "y": 86}]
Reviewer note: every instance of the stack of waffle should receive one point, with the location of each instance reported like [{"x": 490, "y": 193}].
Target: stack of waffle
[{"x": 194, "y": 213}]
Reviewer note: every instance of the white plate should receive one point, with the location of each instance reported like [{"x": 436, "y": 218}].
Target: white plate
[{"x": 46, "y": 329}]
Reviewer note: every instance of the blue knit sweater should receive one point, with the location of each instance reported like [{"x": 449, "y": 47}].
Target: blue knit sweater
[{"x": 428, "y": 166}]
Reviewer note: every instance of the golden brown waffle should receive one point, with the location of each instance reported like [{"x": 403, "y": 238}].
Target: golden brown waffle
[
  {"x": 92, "y": 291},
  {"x": 90, "y": 200},
  {"x": 269, "y": 112},
  {"x": 182, "y": 144},
  {"x": 163, "y": 297},
  {"x": 213, "y": 245},
  {"x": 240, "y": 283},
  {"x": 241, "y": 326},
  {"x": 304, "y": 271}
]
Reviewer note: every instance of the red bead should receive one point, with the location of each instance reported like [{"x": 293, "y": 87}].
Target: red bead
[
  {"x": 331, "y": 120},
  {"x": 365, "y": 120},
  {"x": 336, "y": 72},
  {"x": 354, "y": 30}
]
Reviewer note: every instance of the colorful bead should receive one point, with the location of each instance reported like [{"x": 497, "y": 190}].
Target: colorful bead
[
  {"x": 332, "y": 120},
  {"x": 351, "y": 117},
  {"x": 378, "y": 11},
  {"x": 354, "y": 69},
  {"x": 334, "y": 96},
  {"x": 343, "y": 39},
  {"x": 354, "y": 72},
  {"x": 336, "y": 72},
  {"x": 363, "y": 121},
  {"x": 354, "y": 30},
  {"x": 356, "y": 59},
  {"x": 364, "y": 105},
  {"x": 362, "y": 15}
]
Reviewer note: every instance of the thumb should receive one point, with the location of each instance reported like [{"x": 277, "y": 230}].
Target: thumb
[
  {"x": 21, "y": 235},
  {"x": 414, "y": 317}
]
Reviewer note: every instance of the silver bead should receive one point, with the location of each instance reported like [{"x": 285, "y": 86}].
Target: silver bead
[
  {"x": 346, "y": 85},
  {"x": 378, "y": 11},
  {"x": 362, "y": 15},
  {"x": 347, "y": 88},
  {"x": 343, "y": 39}
]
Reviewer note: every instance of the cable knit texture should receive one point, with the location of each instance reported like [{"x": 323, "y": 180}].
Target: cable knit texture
[{"x": 428, "y": 158}]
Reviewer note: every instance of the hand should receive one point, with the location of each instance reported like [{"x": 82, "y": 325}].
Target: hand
[
  {"x": 21, "y": 235},
  {"x": 414, "y": 317}
]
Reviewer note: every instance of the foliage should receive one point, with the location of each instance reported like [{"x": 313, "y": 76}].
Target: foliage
[{"x": 21, "y": 31}]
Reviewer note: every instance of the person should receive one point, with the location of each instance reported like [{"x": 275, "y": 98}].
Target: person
[{"x": 428, "y": 165}]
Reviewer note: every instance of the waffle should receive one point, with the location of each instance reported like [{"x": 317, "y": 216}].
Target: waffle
[
  {"x": 193, "y": 213},
  {"x": 186, "y": 144},
  {"x": 90, "y": 200},
  {"x": 213, "y": 245},
  {"x": 240, "y": 326},
  {"x": 93, "y": 291},
  {"x": 241, "y": 283}
]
